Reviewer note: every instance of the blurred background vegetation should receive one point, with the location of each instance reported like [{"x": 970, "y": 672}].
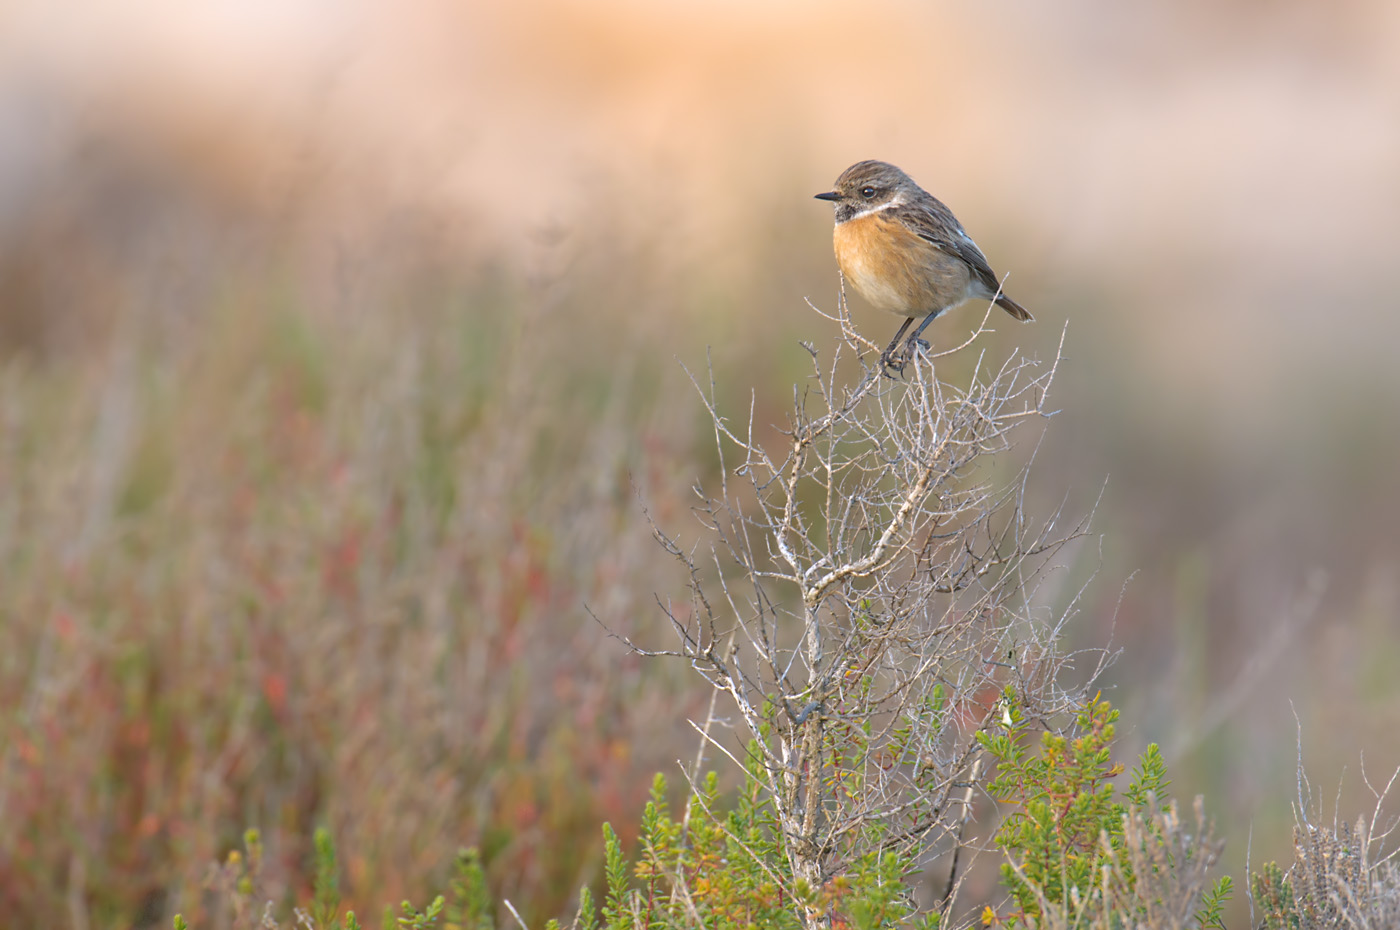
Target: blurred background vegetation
[{"x": 337, "y": 342}]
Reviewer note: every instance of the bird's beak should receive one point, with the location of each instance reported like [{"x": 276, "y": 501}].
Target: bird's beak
[{"x": 829, "y": 195}]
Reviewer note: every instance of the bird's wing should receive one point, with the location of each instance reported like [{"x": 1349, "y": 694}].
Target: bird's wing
[{"x": 935, "y": 223}]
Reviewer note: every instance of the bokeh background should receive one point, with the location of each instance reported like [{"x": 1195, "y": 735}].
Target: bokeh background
[{"x": 341, "y": 345}]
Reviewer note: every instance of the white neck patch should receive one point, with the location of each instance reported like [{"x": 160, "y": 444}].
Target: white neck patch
[{"x": 896, "y": 201}]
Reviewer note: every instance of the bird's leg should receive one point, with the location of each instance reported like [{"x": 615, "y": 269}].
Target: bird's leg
[
  {"x": 914, "y": 340},
  {"x": 887, "y": 358}
]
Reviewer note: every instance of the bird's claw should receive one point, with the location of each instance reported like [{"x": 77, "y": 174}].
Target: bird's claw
[
  {"x": 895, "y": 359},
  {"x": 892, "y": 361}
]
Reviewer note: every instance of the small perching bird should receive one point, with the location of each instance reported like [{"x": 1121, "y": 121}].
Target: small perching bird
[{"x": 906, "y": 253}]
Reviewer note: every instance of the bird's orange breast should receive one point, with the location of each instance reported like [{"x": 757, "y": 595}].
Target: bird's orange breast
[{"x": 895, "y": 269}]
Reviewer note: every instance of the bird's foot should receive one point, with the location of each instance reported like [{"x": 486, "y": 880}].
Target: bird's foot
[
  {"x": 897, "y": 356},
  {"x": 893, "y": 360}
]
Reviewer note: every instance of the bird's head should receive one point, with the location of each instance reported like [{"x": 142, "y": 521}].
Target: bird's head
[{"x": 868, "y": 186}]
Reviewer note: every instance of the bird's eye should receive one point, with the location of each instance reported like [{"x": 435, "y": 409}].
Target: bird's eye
[{"x": 867, "y": 192}]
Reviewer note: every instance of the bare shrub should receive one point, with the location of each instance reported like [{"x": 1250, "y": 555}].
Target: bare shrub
[{"x": 871, "y": 587}]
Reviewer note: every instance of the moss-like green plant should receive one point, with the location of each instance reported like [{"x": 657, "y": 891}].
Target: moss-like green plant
[
  {"x": 1273, "y": 898},
  {"x": 1340, "y": 876},
  {"x": 413, "y": 919}
]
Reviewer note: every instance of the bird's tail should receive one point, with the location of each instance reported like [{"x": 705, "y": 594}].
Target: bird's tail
[{"x": 1013, "y": 308}]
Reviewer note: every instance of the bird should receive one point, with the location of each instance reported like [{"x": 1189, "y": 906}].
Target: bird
[{"x": 906, "y": 253}]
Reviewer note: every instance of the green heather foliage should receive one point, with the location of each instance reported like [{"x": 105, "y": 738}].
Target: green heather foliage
[
  {"x": 470, "y": 906},
  {"x": 1067, "y": 840},
  {"x": 725, "y": 870},
  {"x": 327, "y": 900},
  {"x": 1065, "y": 800},
  {"x": 1076, "y": 855}
]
